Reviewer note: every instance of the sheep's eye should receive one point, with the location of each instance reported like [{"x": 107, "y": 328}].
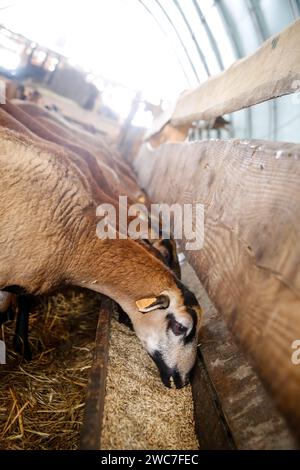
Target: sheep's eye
[{"x": 178, "y": 328}]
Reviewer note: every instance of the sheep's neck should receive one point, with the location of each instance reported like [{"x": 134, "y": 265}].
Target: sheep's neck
[{"x": 121, "y": 269}]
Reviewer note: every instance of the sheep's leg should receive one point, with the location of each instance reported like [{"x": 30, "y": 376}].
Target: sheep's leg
[
  {"x": 6, "y": 306},
  {"x": 20, "y": 341},
  {"x": 124, "y": 318},
  {"x": 8, "y": 315}
]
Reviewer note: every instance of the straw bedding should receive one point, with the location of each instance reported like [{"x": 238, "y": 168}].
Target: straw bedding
[
  {"x": 41, "y": 402},
  {"x": 140, "y": 412}
]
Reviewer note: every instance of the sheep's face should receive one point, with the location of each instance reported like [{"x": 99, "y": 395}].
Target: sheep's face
[{"x": 168, "y": 329}]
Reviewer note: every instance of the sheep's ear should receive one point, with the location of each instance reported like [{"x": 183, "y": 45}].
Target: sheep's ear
[{"x": 146, "y": 305}]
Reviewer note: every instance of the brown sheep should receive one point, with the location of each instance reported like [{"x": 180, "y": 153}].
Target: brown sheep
[
  {"x": 94, "y": 144},
  {"x": 48, "y": 231},
  {"x": 102, "y": 179}
]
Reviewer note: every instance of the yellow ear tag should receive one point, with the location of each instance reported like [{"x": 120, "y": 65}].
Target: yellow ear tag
[{"x": 144, "y": 303}]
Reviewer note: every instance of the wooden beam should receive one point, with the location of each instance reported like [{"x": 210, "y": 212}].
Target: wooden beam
[
  {"x": 94, "y": 404},
  {"x": 211, "y": 428},
  {"x": 250, "y": 260},
  {"x": 271, "y": 71}
]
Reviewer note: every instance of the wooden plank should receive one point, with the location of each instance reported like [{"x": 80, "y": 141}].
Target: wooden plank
[
  {"x": 93, "y": 413},
  {"x": 249, "y": 263},
  {"x": 272, "y": 71},
  {"x": 236, "y": 412},
  {"x": 83, "y": 117}
]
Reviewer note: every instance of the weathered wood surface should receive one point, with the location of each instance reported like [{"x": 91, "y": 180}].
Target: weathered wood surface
[
  {"x": 211, "y": 428},
  {"x": 94, "y": 404},
  {"x": 232, "y": 408},
  {"x": 249, "y": 263},
  {"x": 271, "y": 71}
]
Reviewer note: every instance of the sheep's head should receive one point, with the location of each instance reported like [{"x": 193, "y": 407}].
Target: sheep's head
[{"x": 168, "y": 327}]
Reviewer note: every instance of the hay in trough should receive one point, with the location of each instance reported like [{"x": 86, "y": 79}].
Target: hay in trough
[
  {"x": 41, "y": 402},
  {"x": 140, "y": 412}
]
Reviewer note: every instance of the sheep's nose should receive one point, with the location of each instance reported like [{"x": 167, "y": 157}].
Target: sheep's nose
[
  {"x": 174, "y": 378},
  {"x": 178, "y": 381},
  {"x": 167, "y": 375},
  {"x": 169, "y": 380}
]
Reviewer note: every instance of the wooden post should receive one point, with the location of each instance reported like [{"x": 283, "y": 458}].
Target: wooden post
[{"x": 125, "y": 128}]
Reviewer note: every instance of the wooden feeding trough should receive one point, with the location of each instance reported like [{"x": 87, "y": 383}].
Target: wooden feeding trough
[{"x": 136, "y": 411}]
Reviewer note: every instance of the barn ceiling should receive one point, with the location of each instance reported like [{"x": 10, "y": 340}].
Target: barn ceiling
[
  {"x": 201, "y": 36},
  {"x": 208, "y": 35}
]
